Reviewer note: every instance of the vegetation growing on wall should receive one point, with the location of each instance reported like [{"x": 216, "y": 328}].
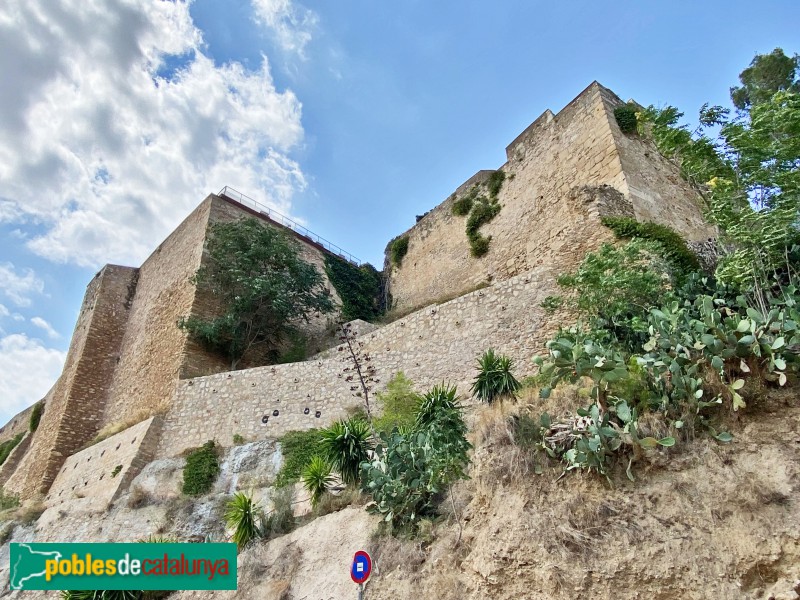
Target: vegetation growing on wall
[
  {"x": 7, "y": 446},
  {"x": 626, "y": 118},
  {"x": 263, "y": 285},
  {"x": 480, "y": 208},
  {"x": 398, "y": 248},
  {"x": 201, "y": 470},
  {"x": 358, "y": 287},
  {"x": 36, "y": 416},
  {"x": 297, "y": 448},
  {"x": 673, "y": 245},
  {"x": 672, "y": 360}
]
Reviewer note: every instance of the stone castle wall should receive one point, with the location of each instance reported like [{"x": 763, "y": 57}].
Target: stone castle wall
[
  {"x": 435, "y": 344},
  {"x": 561, "y": 172},
  {"x": 127, "y": 352},
  {"x": 19, "y": 423},
  {"x": 74, "y": 406},
  {"x": 90, "y": 474}
]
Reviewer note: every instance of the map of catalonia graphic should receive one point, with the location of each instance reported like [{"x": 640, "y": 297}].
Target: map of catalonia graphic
[{"x": 29, "y": 565}]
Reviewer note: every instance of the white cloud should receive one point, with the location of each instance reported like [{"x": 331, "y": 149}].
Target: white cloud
[
  {"x": 105, "y": 150},
  {"x": 42, "y": 324},
  {"x": 18, "y": 288},
  {"x": 291, "y": 23},
  {"x": 4, "y": 311},
  {"x": 27, "y": 370}
]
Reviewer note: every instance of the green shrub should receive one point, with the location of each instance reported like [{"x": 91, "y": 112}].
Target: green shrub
[
  {"x": 626, "y": 118},
  {"x": 36, "y": 416},
  {"x": 317, "y": 478},
  {"x": 360, "y": 288},
  {"x": 463, "y": 205},
  {"x": 409, "y": 472},
  {"x": 7, "y": 446},
  {"x": 298, "y": 448},
  {"x": 295, "y": 350},
  {"x": 495, "y": 379},
  {"x": 281, "y": 519},
  {"x": 399, "y": 402},
  {"x": 398, "y": 249},
  {"x": 482, "y": 212},
  {"x": 8, "y": 500},
  {"x": 345, "y": 445},
  {"x": 495, "y": 182},
  {"x": 552, "y": 303},
  {"x": 243, "y": 515},
  {"x": 674, "y": 246},
  {"x": 238, "y": 439},
  {"x": 479, "y": 245},
  {"x": 201, "y": 470},
  {"x": 116, "y": 470}
]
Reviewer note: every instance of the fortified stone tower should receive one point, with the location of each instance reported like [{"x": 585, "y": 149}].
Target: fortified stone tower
[{"x": 563, "y": 173}]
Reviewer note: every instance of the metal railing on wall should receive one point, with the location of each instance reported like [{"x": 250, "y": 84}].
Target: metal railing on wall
[{"x": 236, "y": 196}]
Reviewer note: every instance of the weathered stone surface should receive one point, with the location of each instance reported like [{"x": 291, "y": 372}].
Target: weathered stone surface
[{"x": 563, "y": 173}]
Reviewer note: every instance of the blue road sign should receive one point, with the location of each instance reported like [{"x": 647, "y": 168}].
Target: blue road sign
[{"x": 361, "y": 568}]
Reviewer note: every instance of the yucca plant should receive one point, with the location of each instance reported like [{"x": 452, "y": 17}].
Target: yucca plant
[
  {"x": 346, "y": 445},
  {"x": 495, "y": 379},
  {"x": 441, "y": 397},
  {"x": 242, "y": 514},
  {"x": 317, "y": 478}
]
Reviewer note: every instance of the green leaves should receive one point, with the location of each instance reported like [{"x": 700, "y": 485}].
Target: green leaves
[
  {"x": 409, "y": 469},
  {"x": 262, "y": 285},
  {"x": 495, "y": 379},
  {"x": 201, "y": 470},
  {"x": 242, "y": 515},
  {"x": 345, "y": 444},
  {"x": 317, "y": 477}
]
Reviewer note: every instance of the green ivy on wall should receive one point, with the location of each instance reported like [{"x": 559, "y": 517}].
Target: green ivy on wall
[
  {"x": 626, "y": 118},
  {"x": 481, "y": 209},
  {"x": 675, "y": 249},
  {"x": 358, "y": 287}
]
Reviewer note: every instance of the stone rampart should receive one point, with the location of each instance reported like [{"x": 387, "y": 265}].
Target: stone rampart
[
  {"x": 99, "y": 473},
  {"x": 74, "y": 405},
  {"x": 435, "y": 344},
  {"x": 547, "y": 217},
  {"x": 19, "y": 423}
]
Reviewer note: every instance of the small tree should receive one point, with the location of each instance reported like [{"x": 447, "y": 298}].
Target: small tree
[{"x": 263, "y": 286}]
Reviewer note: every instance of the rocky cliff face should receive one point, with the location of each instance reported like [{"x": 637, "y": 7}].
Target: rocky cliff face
[{"x": 702, "y": 520}]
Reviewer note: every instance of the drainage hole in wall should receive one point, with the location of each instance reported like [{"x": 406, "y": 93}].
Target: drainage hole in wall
[
  {"x": 306, "y": 411},
  {"x": 264, "y": 419},
  {"x": 318, "y": 414},
  {"x": 275, "y": 413}
]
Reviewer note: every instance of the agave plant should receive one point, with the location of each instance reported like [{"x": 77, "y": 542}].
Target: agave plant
[
  {"x": 242, "y": 514},
  {"x": 346, "y": 445},
  {"x": 495, "y": 379},
  {"x": 317, "y": 478}
]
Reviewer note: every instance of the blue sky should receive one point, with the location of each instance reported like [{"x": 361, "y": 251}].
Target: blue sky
[{"x": 118, "y": 118}]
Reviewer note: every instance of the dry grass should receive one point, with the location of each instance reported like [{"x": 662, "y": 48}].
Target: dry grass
[
  {"x": 391, "y": 553},
  {"x": 331, "y": 503},
  {"x": 115, "y": 428},
  {"x": 138, "y": 498},
  {"x": 30, "y": 512}
]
